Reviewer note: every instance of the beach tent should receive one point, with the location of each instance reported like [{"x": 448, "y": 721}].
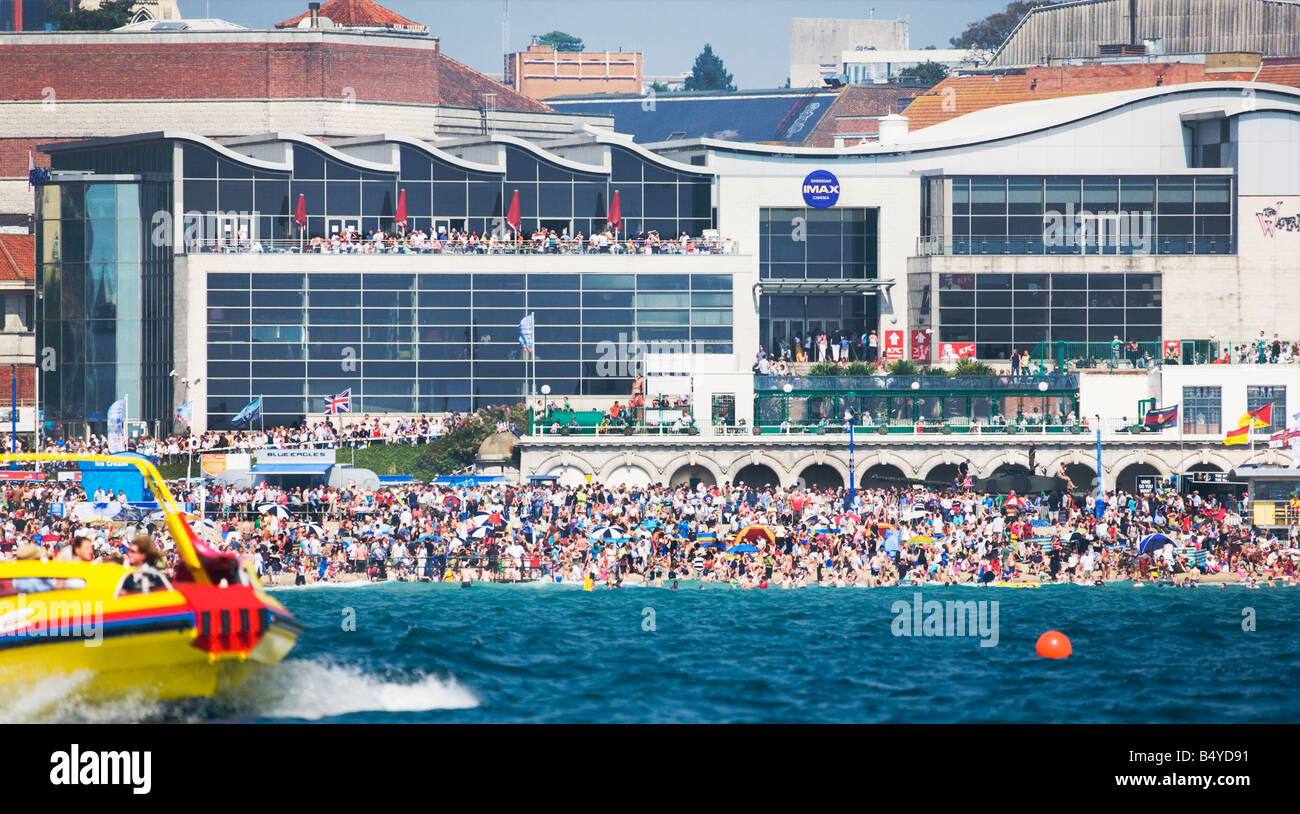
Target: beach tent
[
  {"x": 753, "y": 533},
  {"x": 1153, "y": 543}
]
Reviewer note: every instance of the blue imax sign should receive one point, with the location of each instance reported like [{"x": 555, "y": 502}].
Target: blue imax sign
[{"x": 821, "y": 189}]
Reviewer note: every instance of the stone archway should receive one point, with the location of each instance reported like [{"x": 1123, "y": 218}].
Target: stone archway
[
  {"x": 942, "y": 475},
  {"x": 821, "y": 476},
  {"x": 691, "y": 475},
  {"x": 756, "y": 475},
  {"x": 1126, "y": 478},
  {"x": 627, "y": 475},
  {"x": 883, "y": 476}
]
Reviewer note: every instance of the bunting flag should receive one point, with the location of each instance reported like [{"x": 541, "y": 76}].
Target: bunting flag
[
  {"x": 1237, "y": 436},
  {"x": 1159, "y": 418},
  {"x": 1282, "y": 440}
]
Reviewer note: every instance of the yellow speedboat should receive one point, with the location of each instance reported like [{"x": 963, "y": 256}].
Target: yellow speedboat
[{"x": 117, "y": 631}]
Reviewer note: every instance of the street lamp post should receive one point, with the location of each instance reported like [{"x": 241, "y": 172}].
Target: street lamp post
[
  {"x": 848, "y": 415},
  {"x": 916, "y": 405},
  {"x": 787, "y": 387},
  {"x": 546, "y": 392},
  {"x": 1042, "y": 388}
]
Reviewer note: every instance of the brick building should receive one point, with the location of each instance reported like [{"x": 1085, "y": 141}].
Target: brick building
[
  {"x": 331, "y": 82},
  {"x": 17, "y": 333},
  {"x": 542, "y": 72}
]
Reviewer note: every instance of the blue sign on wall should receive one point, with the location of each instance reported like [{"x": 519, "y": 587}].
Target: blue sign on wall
[{"x": 821, "y": 189}]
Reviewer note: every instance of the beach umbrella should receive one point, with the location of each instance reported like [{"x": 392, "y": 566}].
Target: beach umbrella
[
  {"x": 615, "y": 218},
  {"x": 608, "y": 533},
  {"x": 754, "y": 533},
  {"x": 451, "y": 500},
  {"x": 481, "y": 520},
  {"x": 480, "y": 532},
  {"x": 817, "y": 521},
  {"x": 1153, "y": 542},
  {"x": 840, "y": 518},
  {"x": 399, "y": 218},
  {"x": 312, "y": 528},
  {"x": 743, "y": 548},
  {"x": 512, "y": 214},
  {"x": 273, "y": 509}
]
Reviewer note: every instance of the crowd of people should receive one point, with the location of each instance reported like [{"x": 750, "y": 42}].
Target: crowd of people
[
  {"x": 350, "y": 240},
  {"x": 748, "y": 536},
  {"x": 366, "y": 430}
]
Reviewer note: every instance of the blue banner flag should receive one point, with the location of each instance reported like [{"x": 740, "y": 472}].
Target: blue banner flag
[
  {"x": 249, "y": 413},
  {"x": 117, "y": 426},
  {"x": 185, "y": 412},
  {"x": 1162, "y": 417},
  {"x": 526, "y": 332}
]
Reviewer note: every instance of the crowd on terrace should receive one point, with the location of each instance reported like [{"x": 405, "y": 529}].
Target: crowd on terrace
[{"x": 503, "y": 240}]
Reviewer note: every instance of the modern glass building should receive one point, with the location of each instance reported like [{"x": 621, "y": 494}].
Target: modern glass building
[
  {"x": 209, "y": 232},
  {"x": 1052, "y": 226},
  {"x": 103, "y": 298}
]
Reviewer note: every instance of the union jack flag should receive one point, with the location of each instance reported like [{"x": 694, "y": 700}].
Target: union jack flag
[{"x": 342, "y": 403}]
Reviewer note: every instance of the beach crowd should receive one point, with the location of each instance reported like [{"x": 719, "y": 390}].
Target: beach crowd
[{"x": 750, "y": 537}]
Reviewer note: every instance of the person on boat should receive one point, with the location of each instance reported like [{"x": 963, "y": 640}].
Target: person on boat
[
  {"x": 82, "y": 550},
  {"x": 142, "y": 556}
]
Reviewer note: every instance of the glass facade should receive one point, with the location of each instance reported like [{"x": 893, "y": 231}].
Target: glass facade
[
  {"x": 1259, "y": 395},
  {"x": 1071, "y": 214},
  {"x": 103, "y": 302},
  {"x": 440, "y": 194},
  {"x": 430, "y": 341},
  {"x": 999, "y": 312},
  {"x": 818, "y": 244},
  {"x": 1202, "y": 410},
  {"x": 786, "y": 317}
]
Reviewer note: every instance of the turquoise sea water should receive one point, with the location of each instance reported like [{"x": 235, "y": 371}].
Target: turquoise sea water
[{"x": 552, "y": 653}]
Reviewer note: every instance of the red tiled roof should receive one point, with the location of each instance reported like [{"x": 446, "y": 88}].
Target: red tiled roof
[
  {"x": 461, "y": 86},
  {"x": 959, "y": 95},
  {"x": 358, "y": 14},
  {"x": 17, "y": 257}
]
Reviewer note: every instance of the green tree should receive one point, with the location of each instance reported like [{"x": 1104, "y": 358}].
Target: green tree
[
  {"x": 110, "y": 14},
  {"x": 561, "y": 41},
  {"x": 927, "y": 73},
  {"x": 901, "y": 367},
  {"x": 658, "y": 87},
  {"x": 456, "y": 449},
  {"x": 989, "y": 34},
  {"x": 709, "y": 73},
  {"x": 972, "y": 367}
]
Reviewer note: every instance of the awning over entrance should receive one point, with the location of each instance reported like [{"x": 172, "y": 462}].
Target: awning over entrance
[{"x": 291, "y": 469}]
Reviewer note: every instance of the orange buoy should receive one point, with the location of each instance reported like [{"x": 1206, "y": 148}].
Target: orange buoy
[{"x": 1054, "y": 645}]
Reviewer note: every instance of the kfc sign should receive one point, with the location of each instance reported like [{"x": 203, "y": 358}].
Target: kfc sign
[
  {"x": 957, "y": 350},
  {"x": 920, "y": 346},
  {"x": 893, "y": 345}
]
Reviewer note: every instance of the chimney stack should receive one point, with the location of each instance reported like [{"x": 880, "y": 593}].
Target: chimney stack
[{"x": 315, "y": 14}]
